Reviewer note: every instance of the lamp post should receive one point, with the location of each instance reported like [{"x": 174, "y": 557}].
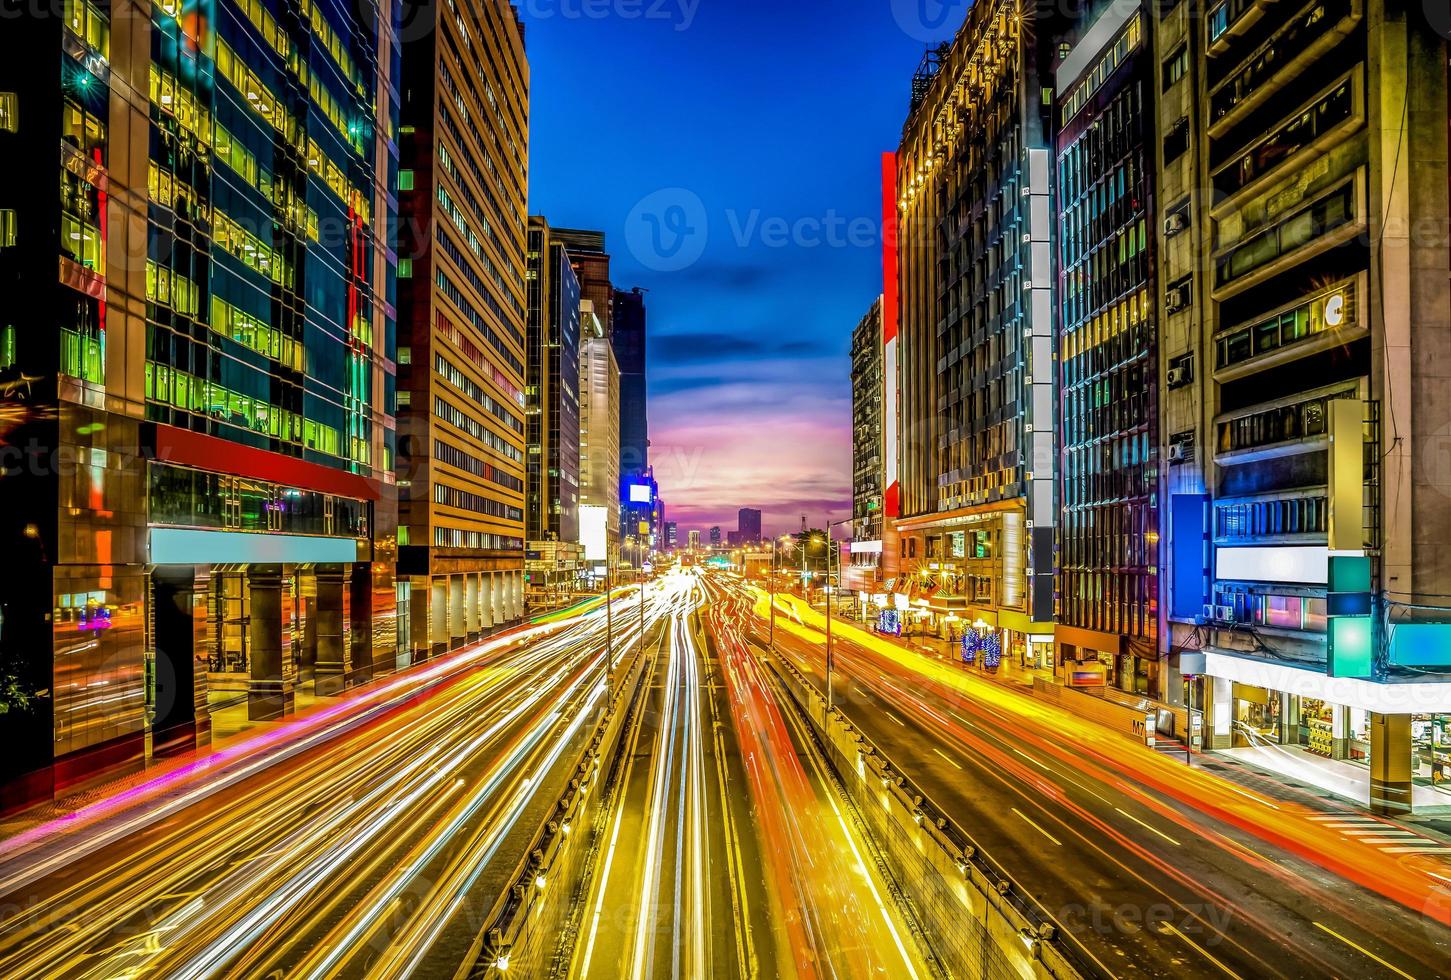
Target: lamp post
[
  {"x": 829, "y": 526},
  {"x": 609, "y": 626},
  {"x": 772, "y": 588}
]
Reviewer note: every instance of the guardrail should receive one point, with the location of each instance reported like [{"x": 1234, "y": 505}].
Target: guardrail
[
  {"x": 523, "y": 927},
  {"x": 1005, "y": 933}
]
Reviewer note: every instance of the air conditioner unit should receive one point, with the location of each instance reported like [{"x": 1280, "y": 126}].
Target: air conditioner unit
[
  {"x": 1176, "y": 299},
  {"x": 1178, "y": 452},
  {"x": 1208, "y": 616},
  {"x": 1178, "y": 376},
  {"x": 1224, "y": 614},
  {"x": 1176, "y": 222}
]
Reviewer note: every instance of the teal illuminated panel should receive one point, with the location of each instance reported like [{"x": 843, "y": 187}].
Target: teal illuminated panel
[
  {"x": 1349, "y": 573},
  {"x": 1421, "y": 645},
  {"x": 183, "y": 546},
  {"x": 1351, "y": 648}
]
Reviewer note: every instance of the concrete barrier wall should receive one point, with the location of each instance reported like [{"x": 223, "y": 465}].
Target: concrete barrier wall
[{"x": 979, "y": 923}]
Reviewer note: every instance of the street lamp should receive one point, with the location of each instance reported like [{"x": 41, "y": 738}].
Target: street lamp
[
  {"x": 772, "y": 587},
  {"x": 829, "y": 526}
]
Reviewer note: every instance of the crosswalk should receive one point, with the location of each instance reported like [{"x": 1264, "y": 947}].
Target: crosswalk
[{"x": 1385, "y": 836}]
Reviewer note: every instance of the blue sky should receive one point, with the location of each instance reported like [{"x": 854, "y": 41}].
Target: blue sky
[{"x": 730, "y": 150}]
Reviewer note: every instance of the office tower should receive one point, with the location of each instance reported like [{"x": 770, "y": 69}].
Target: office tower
[
  {"x": 196, "y": 350},
  {"x": 973, "y": 185},
  {"x": 1108, "y": 535},
  {"x": 462, "y": 322},
  {"x": 629, "y": 342}
]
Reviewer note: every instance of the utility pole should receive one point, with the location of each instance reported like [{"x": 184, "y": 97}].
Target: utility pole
[{"x": 609, "y": 625}]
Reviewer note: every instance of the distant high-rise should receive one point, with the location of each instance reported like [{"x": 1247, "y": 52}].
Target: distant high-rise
[
  {"x": 629, "y": 341},
  {"x": 599, "y": 421},
  {"x": 670, "y": 536},
  {"x": 552, "y": 389},
  {"x": 715, "y": 536},
  {"x": 748, "y": 524},
  {"x": 694, "y": 539},
  {"x": 592, "y": 265}
]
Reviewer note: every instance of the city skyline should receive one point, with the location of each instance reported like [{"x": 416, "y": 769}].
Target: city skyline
[{"x": 752, "y": 337}]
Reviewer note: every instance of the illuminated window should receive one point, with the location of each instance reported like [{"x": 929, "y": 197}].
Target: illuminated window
[
  {"x": 405, "y": 180},
  {"x": 9, "y": 112},
  {"x": 405, "y": 268},
  {"x": 7, "y": 228}
]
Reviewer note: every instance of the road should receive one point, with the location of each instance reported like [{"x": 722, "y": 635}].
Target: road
[
  {"x": 372, "y": 851},
  {"x": 729, "y": 853},
  {"x": 1159, "y": 869}
]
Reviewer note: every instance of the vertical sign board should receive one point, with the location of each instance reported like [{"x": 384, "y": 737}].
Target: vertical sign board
[
  {"x": 891, "y": 410},
  {"x": 1350, "y": 640}
]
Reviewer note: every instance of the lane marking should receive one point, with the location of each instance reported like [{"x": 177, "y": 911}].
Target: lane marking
[
  {"x": 1361, "y": 949},
  {"x": 1418, "y": 850},
  {"x": 1033, "y": 760},
  {"x": 895, "y": 718},
  {"x": 1032, "y": 823},
  {"x": 1171, "y": 928},
  {"x": 1147, "y": 827},
  {"x": 946, "y": 756}
]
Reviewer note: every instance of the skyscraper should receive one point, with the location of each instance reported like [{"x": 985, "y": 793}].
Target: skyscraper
[
  {"x": 975, "y": 254},
  {"x": 748, "y": 524},
  {"x": 671, "y": 541},
  {"x": 552, "y": 377},
  {"x": 196, "y": 349},
  {"x": 592, "y": 266},
  {"x": 1108, "y": 536},
  {"x": 599, "y": 422},
  {"x": 1303, "y": 322},
  {"x": 868, "y": 392},
  {"x": 629, "y": 340},
  {"x": 715, "y": 539},
  {"x": 462, "y": 321}
]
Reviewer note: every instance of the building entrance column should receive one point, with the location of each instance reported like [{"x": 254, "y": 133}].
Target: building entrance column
[
  {"x": 359, "y": 668},
  {"x": 471, "y": 606},
  {"x": 331, "y": 670},
  {"x": 486, "y": 601},
  {"x": 456, "y": 629},
  {"x": 183, "y": 720},
  {"x": 1390, "y": 764},
  {"x": 269, "y": 688},
  {"x": 438, "y": 615}
]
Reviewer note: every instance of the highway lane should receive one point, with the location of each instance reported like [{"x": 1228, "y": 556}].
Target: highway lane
[
  {"x": 728, "y": 852},
  {"x": 1158, "y": 876},
  {"x": 372, "y": 853},
  {"x": 827, "y": 890}
]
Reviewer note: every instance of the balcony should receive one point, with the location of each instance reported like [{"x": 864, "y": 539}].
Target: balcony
[{"x": 1288, "y": 426}]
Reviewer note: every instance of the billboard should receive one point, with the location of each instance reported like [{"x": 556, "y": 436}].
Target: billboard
[
  {"x": 593, "y": 525},
  {"x": 640, "y": 493}
]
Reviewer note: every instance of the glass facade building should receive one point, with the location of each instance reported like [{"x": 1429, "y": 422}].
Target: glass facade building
[
  {"x": 552, "y": 390},
  {"x": 202, "y": 326},
  {"x": 1108, "y": 536}
]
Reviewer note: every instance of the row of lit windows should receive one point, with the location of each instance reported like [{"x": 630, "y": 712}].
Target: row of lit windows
[
  {"x": 466, "y": 423},
  {"x": 169, "y": 386},
  {"x": 476, "y": 319},
  {"x": 453, "y": 537},
  {"x": 1127, "y": 42},
  {"x": 477, "y": 503},
  {"x": 256, "y": 334},
  {"x": 449, "y": 331},
  {"x": 252, "y": 251},
  {"x": 1128, "y": 312},
  {"x": 165, "y": 287},
  {"x": 87, "y": 22},
  {"x": 450, "y": 372},
  {"x": 469, "y": 463},
  {"x": 243, "y": 162}
]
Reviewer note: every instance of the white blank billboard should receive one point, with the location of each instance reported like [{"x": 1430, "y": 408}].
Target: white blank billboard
[{"x": 593, "y": 523}]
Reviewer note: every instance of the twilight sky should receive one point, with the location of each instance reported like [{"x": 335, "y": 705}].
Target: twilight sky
[{"x": 730, "y": 151}]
